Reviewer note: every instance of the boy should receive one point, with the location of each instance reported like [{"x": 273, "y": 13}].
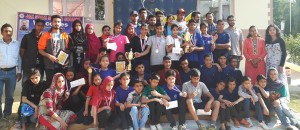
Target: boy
[
  {"x": 139, "y": 112},
  {"x": 167, "y": 66},
  {"x": 175, "y": 94},
  {"x": 156, "y": 44},
  {"x": 222, "y": 43},
  {"x": 140, "y": 74},
  {"x": 209, "y": 72},
  {"x": 102, "y": 52},
  {"x": 156, "y": 98},
  {"x": 194, "y": 89},
  {"x": 237, "y": 73},
  {"x": 227, "y": 71},
  {"x": 185, "y": 71}
]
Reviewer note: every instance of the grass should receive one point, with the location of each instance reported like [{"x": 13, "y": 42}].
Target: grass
[{"x": 295, "y": 101}]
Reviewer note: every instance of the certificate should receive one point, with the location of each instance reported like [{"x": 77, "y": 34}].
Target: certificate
[
  {"x": 112, "y": 46},
  {"x": 120, "y": 66},
  {"x": 77, "y": 82},
  {"x": 62, "y": 57},
  {"x": 202, "y": 112},
  {"x": 172, "y": 104}
]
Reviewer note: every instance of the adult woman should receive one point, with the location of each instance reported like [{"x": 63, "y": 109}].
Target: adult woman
[
  {"x": 130, "y": 31},
  {"x": 254, "y": 52},
  {"x": 278, "y": 94},
  {"x": 50, "y": 113},
  {"x": 93, "y": 43},
  {"x": 276, "y": 51},
  {"x": 80, "y": 44}
]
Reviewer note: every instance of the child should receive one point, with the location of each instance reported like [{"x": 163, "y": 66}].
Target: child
[
  {"x": 139, "y": 112},
  {"x": 105, "y": 71},
  {"x": 194, "y": 89},
  {"x": 227, "y": 71},
  {"x": 209, "y": 72},
  {"x": 140, "y": 74},
  {"x": 223, "y": 45},
  {"x": 102, "y": 52},
  {"x": 175, "y": 94},
  {"x": 248, "y": 93},
  {"x": 157, "y": 45},
  {"x": 185, "y": 70},
  {"x": 84, "y": 116},
  {"x": 122, "y": 92},
  {"x": 172, "y": 44},
  {"x": 237, "y": 73},
  {"x": 168, "y": 26},
  {"x": 279, "y": 95},
  {"x": 167, "y": 66},
  {"x": 209, "y": 42},
  {"x": 83, "y": 73},
  {"x": 103, "y": 103},
  {"x": 233, "y": 103},
  {"x": 156, "y": 98},
  {"x": 262, "y": 91},
  {"x": 31, "y": 93}
]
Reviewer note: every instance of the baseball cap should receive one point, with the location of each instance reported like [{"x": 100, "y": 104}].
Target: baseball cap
[
  {"x": 181, "y": 10},
  {"x": 134, "y": 13}
]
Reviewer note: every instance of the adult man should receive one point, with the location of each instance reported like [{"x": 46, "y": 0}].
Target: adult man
[
  {"x": 143, "y": 15},
  {"x": 236, "y": 38},
  {"x": 222, "y": 43},
  {"x": 29, "y": 50},
  {"x": 180, "y": 21},
  {"x": 50, "y": 45},
  {"x": 152, "y": 28},
  {"x": 196, "y": 16},
  {"x": 212, "y": 27},
  {"x": 10, "y": 68},
  {"x": 159, "y": 17},
  {"x": 134, "y": 17}
]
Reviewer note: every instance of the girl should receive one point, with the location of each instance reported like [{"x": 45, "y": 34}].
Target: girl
[
  {"x": 93, "y": 43},
  {"x": 83, "y": 73},
  {"x": 105, "y": 35},
  {"x": 254, "y": 52},
  {"x": 103, "y": 103},
  {"x": 105, "y": 71},
  {"x": 80, "y": 43},
  {"x": 130, "y": 32},
  {"x": 209, "y": 42},
  {"x": 279, "y": 100},
  {"x": 50, "y": 114},
  {"x": 167, "y": 27},
  {"x": 31, "y": 93},
  {"x": 248, "y": 93},
  {"x": 174, "y": 42}
]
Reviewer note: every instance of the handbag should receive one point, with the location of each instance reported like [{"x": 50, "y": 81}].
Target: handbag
[{"x": 26, "y": 110}]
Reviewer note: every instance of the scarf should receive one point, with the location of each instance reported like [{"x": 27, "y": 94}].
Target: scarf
[
  {"x": 130, "y": 36},
  {"x": 57, "y": 95},
  {"x": 274, "y": 85},
  {"x": 93, "y": 41},
  {"x": 78, "y": 37}
]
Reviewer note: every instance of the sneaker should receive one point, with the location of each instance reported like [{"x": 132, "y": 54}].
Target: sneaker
[
  {"x": 158, "y": 127},
  {"x": 152, "y": 127},
  {"x": 289, "y": 127},
  {"x": 245, "y": 123},
  {"x": 263, "y": 125},
  {"x": 236, "y": 123},
  {"x": 182, "y": 127},
  {"x": 201, "y": 127},
  {"x": 212, "y": 127},
  {"x": 250, "y": 122},
  {"x": 174, "y": 128}
]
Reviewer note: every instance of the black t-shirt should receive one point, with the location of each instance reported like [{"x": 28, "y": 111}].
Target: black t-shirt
[{"x": 33, "y": 92}]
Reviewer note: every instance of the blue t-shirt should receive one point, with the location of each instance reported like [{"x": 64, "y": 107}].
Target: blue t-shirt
[
  {"x": 237, "y": 75},
  {"x": 121, "y": 94},
  {"x": 209, "y": 76},
  {"x": 198, "y": 40},
  {"x": 184, "y": 76},
  {"x": 135, "y": 77},
  {"x": 105, "y": 73},
  {"x": 207, "y": 49},
  {"x": 174, "y": 94},
  {"x": 223, "y": 38},
  {"x": 232, "y": 97},
  {"x": 214, "y": 93},
  {"x": 257, "y": 90},
  {"x": 226, "y": 72}
]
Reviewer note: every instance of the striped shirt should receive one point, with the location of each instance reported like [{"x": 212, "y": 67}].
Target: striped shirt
[{"x": 9, "y": 55}]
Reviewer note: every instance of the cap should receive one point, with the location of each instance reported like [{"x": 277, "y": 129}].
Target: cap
[
  {"x": 181, "y": 10},
  {"x": 134, "y": 13}
]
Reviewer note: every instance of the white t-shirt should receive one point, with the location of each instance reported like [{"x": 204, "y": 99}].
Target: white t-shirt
[
  {"x": 170, "y": 40},
  {"x": 181, "y": 24},
  {"x": 201, "y": 88},
  {"x": 158, "y": 46}
]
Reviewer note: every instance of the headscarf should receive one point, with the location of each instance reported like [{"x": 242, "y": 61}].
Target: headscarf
[
  {"x": 130, "y": 36},
  {"x": 83, "y": 71},
  {"x": 78, "y": 36},
  {"x": 103, "y": 96},
  {"x": 103, "y": 86},
  {"x": 93, "y": 42},
  {"x": 274, "y": 85}
]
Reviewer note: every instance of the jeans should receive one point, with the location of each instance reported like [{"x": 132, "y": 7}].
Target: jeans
[
  {"x": 283, "y": 112},
  {"x": 9, "y": 79},
  {"x": 144, "y": 117},
  {"x": 182, "y": 111},
  {"x": 257, "y": 106},
  {"x": 155, "y": 112}
]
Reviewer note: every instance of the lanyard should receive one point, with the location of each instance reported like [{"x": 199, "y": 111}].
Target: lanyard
[
  {"x": 115, "y": 36},
  {"x": 143, "y": 43},
  {"x": 157, "y": 43},
  {"x": 193, "y": 38},
  {"x": 176, "y": 89},
  {"x": 108, "y": 101}
]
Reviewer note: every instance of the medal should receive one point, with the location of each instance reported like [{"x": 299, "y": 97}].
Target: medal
[
  {"x": 156, "y": 50},
  {"x": 180, "y": 94}
]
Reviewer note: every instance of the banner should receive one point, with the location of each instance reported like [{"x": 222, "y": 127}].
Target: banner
[{"x": 26, "y": 22}]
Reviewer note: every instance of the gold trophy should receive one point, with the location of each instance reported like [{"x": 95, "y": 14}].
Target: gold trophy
[
  {"x": 130, "y": 58},
  {"x": 187, "y": 38}
]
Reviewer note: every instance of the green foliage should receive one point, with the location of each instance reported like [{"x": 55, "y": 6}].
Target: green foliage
[{"x": 293, "y": 48}]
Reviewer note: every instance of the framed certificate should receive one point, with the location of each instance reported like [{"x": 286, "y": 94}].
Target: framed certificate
[
  {"x": 120, "y": 66},
  {"x": 62, "y": 57}
]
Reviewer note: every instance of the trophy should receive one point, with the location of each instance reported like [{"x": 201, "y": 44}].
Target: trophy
[
  {"x": 130, "y": 58},
  {"x": 187, "y": 38}
]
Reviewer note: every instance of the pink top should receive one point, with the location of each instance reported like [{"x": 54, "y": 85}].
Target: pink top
[{"x": 120, "y": 40}]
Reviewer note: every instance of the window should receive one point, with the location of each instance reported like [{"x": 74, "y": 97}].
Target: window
[{"x": 205, "y": 6}]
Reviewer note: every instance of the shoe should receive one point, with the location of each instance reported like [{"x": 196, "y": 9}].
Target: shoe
[
  {"x": 212, "y": 127},
  {"x": 174, "y": 128},
  {"x": 250, "y": 122},
  {"x": 267, "y": 119},
  {"x": 152, "y": 127},
  {"x": 289, "y": 128},
  {"x": 263, "y": 125},
  {"x": 245, "y": 123},
  {"x": 201, "y": 127},
  {"x": 236, "y": 123},
  {"x": 182, "y": 127},
  {"x": 158, "y": 127}
]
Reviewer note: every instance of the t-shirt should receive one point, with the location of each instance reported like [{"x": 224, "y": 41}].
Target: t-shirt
[
  {"x": 212, "y": 28},
  {"x": 91, "y": 92},
  {"x": 33, "y": 92},
  {"x": 188, "y": 87},
  {"x": 151, "y": 32},
  {"x": 134, "y": 98},
  {"x": 182, "y": 25},
  {"x": 236, "y": 36},
  {"x": 184, "y": 76},
  {"x": 223, "y": 38},
  {"x": 170, "y": 40},
  {"x": 207, "y": 48},
  {"x": 162, "y": 75},
  {"x": 209, "y": 76},
  {"x": 56, "y": 43},
  {"x": 121, "y": 41},
  {"x": 214, "y": 93},
  {"x": 257, "y": 90},
  {"x": 237, "y": 75},
  {"x": 121, "y": 94},
  {"x": 135, "y": 77},
  {"x": 174, "y": 93},
  {"x": 197, "y": 40},
  {"x": 282, "y": 91},
  {"x": 226, "y": 73},
  {"x": 147, "y": 91},
  {"x": 157, "y": 44},
  {"x": 105, "y": 73},
  {"x": 230, "y": 96}
]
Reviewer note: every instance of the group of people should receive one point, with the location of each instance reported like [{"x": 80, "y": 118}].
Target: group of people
[{"x": 194, "y": 64}]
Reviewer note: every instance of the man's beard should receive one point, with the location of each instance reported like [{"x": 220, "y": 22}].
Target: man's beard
[{"x": 56, "y": 27}]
